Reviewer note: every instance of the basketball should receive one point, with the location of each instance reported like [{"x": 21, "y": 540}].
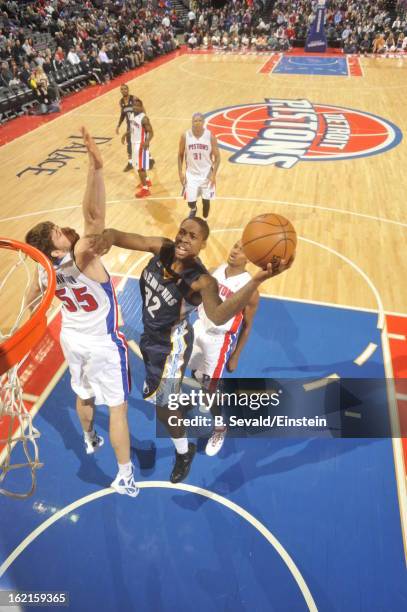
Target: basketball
[{"x": 267, "y": 236}]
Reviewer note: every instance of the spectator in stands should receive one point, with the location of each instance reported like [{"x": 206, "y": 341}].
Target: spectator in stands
[
  {"x": 350, "y": 44},
  {"x": 106, "y": 63},
  {"x": 215, "y": 39},
  {"x": 25, "y": 73},
  {"x": 18, "y": 52},
  {"x": 364, "y": 45},
  {"x": 262, "y": 27},
  {"x": 166, "y": 21},
  {"x": 59, "y": 55},
  {"x": 147, "y": 47},
  {"x": 29, "y": 48},
  {"x": 95, "y": 67},
  {"x": 245, "y": 42},
  {"x": 224, "y": 43},
  {"x": 128, "y": 55},
  {"x": 73, "y": 57},
  {"x": 120, "y": 63},
  {"x": 379, "y": 43},
  {"x": 192, "y": 41},
  {"x": 167, "y": 40},
  {"x": 390, "y": 44},
  {"x": 132, "y": 32},
  {"x": 137, "y": 50},
  {"x": 15, "y": 75},
  {"x": 5, "y": 75},
  {"x": 235, "y": 42},
  {"x": 191, "y": 19},
  {"x": 39, "y": 58},
  {"x": 400, "y": 40},
  {"x": 47, "y": 100}
]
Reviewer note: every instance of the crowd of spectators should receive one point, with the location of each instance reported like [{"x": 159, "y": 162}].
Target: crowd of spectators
[
  {"x": 103, "y": 38},
  {"x": 357, "y": 26}
]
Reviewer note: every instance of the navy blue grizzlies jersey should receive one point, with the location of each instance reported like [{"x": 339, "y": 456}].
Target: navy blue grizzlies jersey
[
  {"x": 166, "y": 295},
  {"x": 126, "y": 109}
]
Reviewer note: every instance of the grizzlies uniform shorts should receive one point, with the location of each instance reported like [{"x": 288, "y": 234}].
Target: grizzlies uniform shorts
[{"x": 165, "y": 359}]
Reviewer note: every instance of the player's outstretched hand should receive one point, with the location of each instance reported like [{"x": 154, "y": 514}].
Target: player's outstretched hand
[
  {"x": 100, "y": 244},
  {"x": 93, "y": 151},
  {"x": 277, "y": 266}
]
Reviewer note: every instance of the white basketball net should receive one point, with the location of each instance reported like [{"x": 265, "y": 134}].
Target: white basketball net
[{"x": 18, "y": 436}]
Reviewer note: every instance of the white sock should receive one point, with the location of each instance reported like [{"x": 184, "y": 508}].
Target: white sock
[
  {"x": 130, "y": 162},
  {"x": 90, "y": 436},
  {"x": 125, "y": 469},
  {"x": 181, "y": 445}
]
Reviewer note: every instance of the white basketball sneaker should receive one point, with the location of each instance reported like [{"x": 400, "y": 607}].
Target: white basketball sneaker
[
  {"x": 215, "y": 442},
  {"x": 125, "y": 485},
  {"x": 93, "y": 444}
]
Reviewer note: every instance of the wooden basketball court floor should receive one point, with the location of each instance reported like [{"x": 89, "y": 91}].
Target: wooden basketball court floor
[{"x": 343, "y": 306}]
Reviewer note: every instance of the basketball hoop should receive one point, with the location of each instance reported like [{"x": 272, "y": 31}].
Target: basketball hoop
[{"x": 19, "y": 332}]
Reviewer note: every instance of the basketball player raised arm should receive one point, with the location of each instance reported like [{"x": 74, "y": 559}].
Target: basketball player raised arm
[
  {"x": 216, "y": 310},
  {"x": 94, "y": 210},
  {"x": 94, "y": 213}
]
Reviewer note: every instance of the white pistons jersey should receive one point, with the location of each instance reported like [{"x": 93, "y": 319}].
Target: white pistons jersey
[
  {"x": 198, "y": 154},
  {"x": 137, "y": 131},
  {"x": 227, "y": 286},
  {"x": 88, "y": 307}
]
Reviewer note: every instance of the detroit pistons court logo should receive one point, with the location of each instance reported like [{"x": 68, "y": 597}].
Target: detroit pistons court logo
[{"x": 284, "y": 132}]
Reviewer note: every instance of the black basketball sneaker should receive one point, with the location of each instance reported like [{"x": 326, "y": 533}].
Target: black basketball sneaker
[{"x": 183, "y": 464}]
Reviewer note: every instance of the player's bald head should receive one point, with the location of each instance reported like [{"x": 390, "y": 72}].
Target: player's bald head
[{"x": 198, "y": 121}]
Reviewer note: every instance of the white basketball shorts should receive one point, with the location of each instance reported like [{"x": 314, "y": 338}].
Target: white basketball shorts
[
  {"x": 140, "y": 157},
  {"x": 98, "y": 366},
  {"x": 196, "y": 186},
  {"x": 210, "y": 352}
]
